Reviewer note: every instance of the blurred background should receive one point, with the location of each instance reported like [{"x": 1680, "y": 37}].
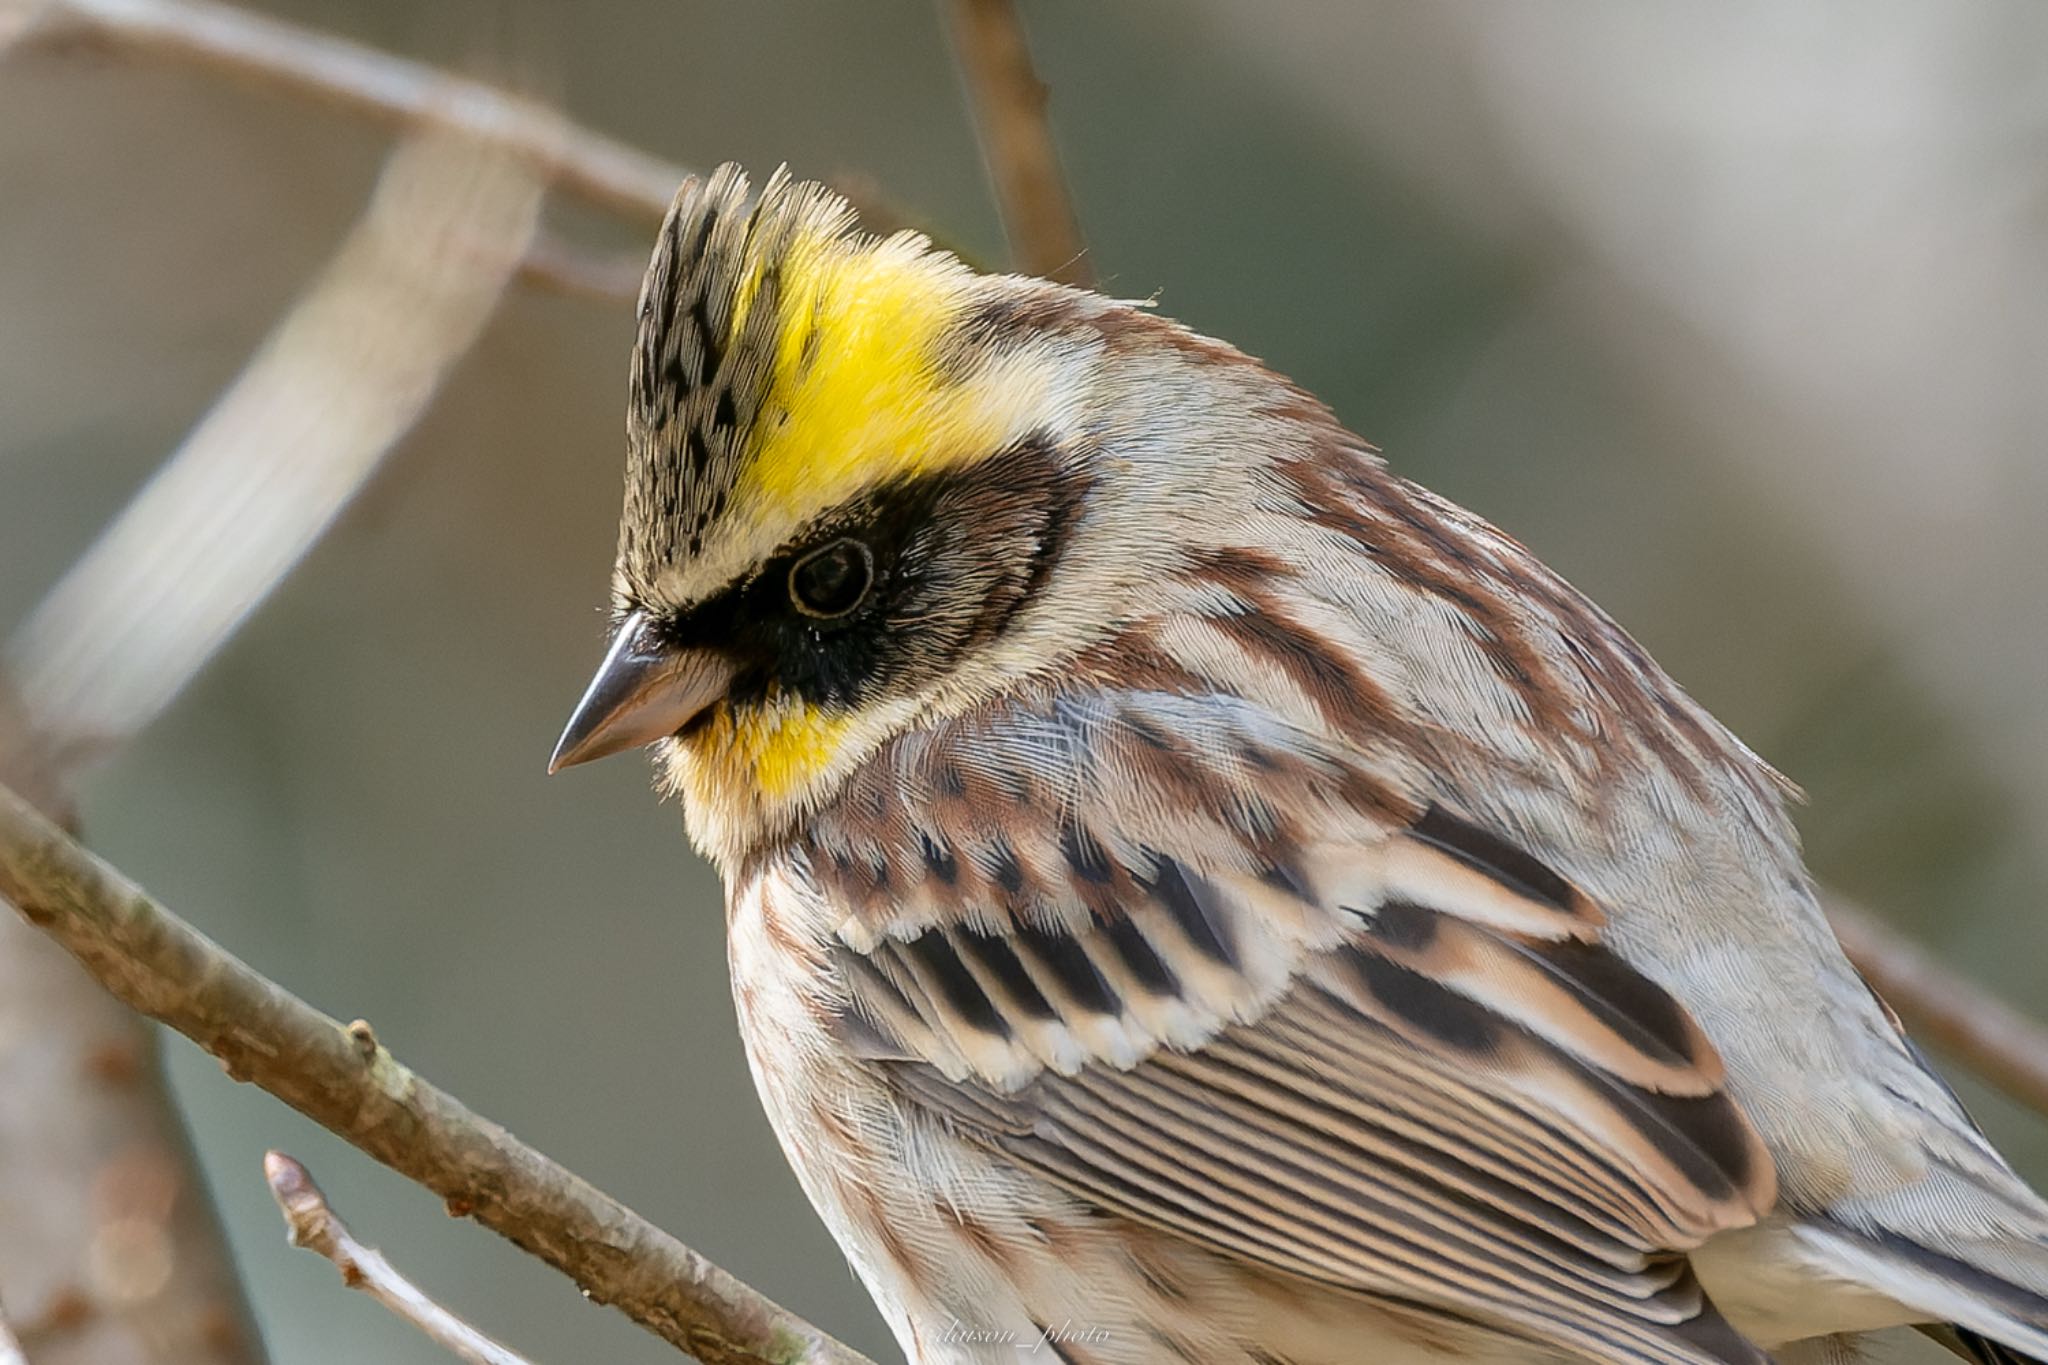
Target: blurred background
[{"x": 1738, "y": 314}]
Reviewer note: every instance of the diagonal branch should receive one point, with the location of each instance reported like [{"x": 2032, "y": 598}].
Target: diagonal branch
[
  {"x": 344, "y": 1080},
  {"x": 110, "y": 1239},
  {"x": 403, "y": 94},
  {"x": 1016, "y": 142},
  {"x": 335, "y": 387},
  {"x": 1959, "y": 1016},
  {"x": 311, "y": 1222}
]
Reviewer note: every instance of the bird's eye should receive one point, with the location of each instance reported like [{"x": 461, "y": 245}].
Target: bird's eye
[{"x": 832, "y": 580}]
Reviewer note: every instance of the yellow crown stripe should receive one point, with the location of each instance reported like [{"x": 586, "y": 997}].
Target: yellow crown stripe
[{"x": 858, "y": 396}]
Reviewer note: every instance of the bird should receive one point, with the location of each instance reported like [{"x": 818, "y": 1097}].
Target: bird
[{"x": 1194, "y": 895}]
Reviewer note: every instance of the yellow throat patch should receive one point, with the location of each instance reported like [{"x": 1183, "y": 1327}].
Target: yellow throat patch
[{"x": 775, "y": 750}]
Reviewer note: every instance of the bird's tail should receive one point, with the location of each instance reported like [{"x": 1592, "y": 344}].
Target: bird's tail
[{"x": 1966, "y": 1246}]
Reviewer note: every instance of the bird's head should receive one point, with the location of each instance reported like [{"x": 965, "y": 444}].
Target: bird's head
[{"x": 867, "y": 485}]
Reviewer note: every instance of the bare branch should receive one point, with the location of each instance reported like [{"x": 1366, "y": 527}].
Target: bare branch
[
  {"x": 344, "y": 1080},
  {"x": 1959, "y": 1016},
  {"x": 1009, "y": 112},
  {"x": 360, "y": 80},
  {"x": 110, "y": 1249},
  {"x": 311, "y": 1222},
  {"x": 259, "y": 479}
]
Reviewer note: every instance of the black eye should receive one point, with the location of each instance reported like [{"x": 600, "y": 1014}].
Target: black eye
[{"x": 833, "y": 580}]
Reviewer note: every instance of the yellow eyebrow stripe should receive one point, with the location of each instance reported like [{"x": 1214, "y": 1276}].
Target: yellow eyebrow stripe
[{"x": 858, "y": 395}]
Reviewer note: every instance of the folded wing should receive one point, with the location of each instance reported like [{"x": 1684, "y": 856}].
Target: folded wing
[{"x": 1264, "y": 1004}]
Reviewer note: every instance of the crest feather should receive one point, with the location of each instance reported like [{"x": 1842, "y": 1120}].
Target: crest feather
[{"x": 711, "y": 325}]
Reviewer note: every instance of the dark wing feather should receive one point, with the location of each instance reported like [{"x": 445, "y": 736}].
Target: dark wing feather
[{"x": 1388, "y": 1056}]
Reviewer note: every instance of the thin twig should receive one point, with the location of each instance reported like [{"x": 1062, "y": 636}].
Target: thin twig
[
  {"x": 311, "y": 1222},
  {"x": 344, "y": 1080},
  {"x": 1016, "y": 142},
  {"x": 1960, "y": 1017}
]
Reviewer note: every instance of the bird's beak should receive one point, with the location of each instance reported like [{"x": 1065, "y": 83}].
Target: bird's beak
[{"x": 644, "y": 690}]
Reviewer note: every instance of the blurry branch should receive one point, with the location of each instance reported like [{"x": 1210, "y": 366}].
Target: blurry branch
[
  {"x": 25, "y": 761},
  {"x": 1016, "y": 142},
  {"x": 311, "y": 1222},
  {"x": 1960, "y": 1017},
  {"x": 563, "y": 268},
  {"x": 15, "y": 18},
  {"x": 335, "y": 386},
  {"x": 110, "y": 1248},
  {"x": 344, "y": 1080},
  {"x": 360, "y": 80},
  {"x": 391, "y": 90}
]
